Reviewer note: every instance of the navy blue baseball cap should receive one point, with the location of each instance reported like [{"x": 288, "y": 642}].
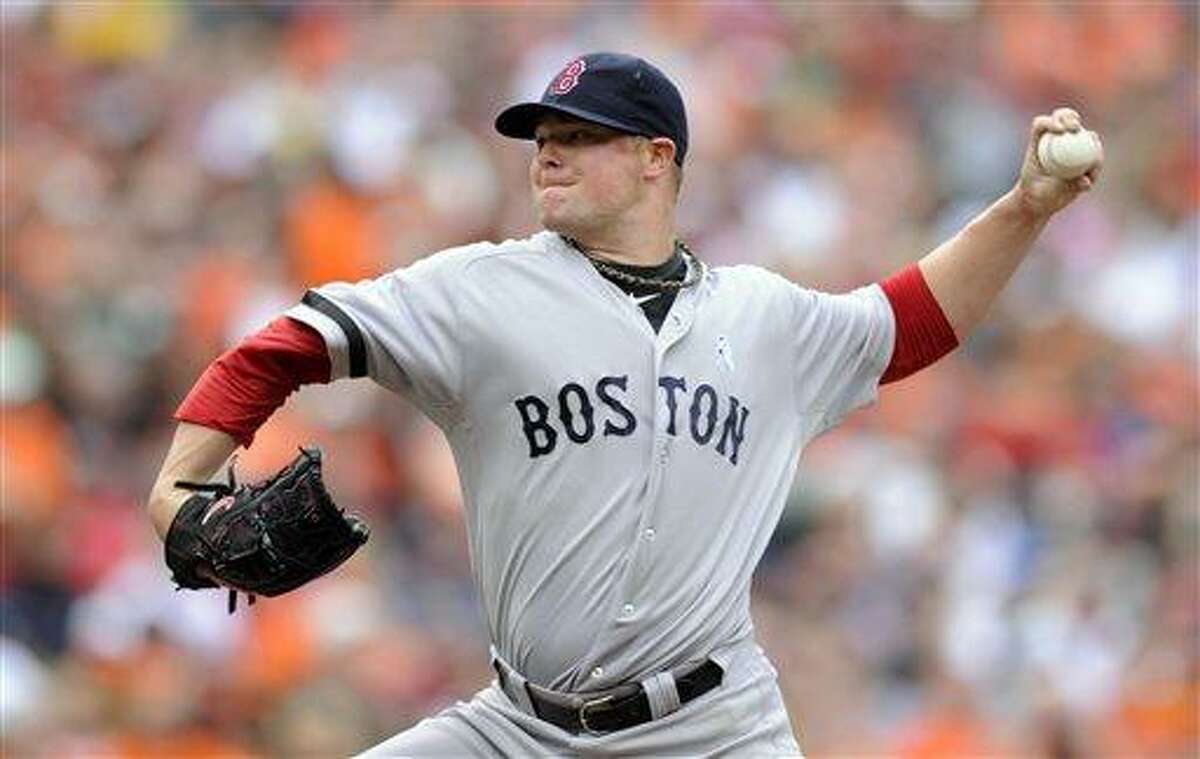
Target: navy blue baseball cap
[{"x": 620, "y": 91}]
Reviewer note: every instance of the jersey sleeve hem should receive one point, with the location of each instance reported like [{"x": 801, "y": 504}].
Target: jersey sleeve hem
[
  {"x": 356, "y": 345},
  {"x": 336, "y": 340}
]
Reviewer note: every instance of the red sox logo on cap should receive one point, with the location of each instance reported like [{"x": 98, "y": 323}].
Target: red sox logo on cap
[{"x": 568, "y": 78}]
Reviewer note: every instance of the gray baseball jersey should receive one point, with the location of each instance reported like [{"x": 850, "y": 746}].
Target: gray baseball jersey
[{"x": 620, "y": 485}]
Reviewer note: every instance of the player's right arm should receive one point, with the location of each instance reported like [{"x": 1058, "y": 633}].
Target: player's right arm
[
  {"x": 231, "y": 400},
  {"x": 196, "y": 454},
  {"x": 399, "y": 330}
]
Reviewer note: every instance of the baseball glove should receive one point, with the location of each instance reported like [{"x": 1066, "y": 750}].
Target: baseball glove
[{"x": 262, "y": 538}]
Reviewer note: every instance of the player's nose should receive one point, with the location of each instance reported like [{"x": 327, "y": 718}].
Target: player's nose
[{"x": 549, "y": 154}]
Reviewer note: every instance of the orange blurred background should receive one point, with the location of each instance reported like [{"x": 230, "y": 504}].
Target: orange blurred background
[{"x": 1000, "y": 559}]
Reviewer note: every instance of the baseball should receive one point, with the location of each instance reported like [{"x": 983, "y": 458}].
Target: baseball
[{"x": 1070, "y": 154}]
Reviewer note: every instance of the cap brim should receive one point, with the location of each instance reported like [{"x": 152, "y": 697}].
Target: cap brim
[{"x": 519, "y": 121}]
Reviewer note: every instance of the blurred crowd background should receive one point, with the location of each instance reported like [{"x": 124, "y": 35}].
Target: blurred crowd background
[{"x": 1000, "y": 558}]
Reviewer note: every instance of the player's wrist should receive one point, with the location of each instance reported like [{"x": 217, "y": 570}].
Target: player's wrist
[
  {"x": 163, "y": 506},
  {"x": 1022, "y": 206}
]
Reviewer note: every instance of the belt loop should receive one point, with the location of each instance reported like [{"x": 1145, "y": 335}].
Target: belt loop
[
  {"x": 661, "y": 693},
  {"x": 513, "y": 684}
]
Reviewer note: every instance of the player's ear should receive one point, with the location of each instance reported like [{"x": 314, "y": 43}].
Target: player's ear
[{"x": 660, "y": 156}]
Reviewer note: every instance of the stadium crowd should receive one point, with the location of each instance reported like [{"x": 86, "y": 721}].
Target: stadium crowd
[{"x": 1000, "y": 558}]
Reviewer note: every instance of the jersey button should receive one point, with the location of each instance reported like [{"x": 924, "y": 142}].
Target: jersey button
[
  {"x": 649, "y": 534},
  {"x": 598, "y": 672},
  {"x": 627, "y": 610}
]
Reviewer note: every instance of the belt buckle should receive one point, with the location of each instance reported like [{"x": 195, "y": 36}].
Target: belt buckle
[{"x": 596, "y": 703}]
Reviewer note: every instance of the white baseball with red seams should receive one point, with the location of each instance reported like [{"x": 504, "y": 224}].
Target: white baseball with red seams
[{"x": 1070, "y": 154}]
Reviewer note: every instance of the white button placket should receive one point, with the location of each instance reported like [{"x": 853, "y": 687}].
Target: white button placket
[{"x": 676, "y": 325}]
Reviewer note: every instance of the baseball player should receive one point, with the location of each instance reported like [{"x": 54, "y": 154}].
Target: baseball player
[{"x": 626, "y": 420}]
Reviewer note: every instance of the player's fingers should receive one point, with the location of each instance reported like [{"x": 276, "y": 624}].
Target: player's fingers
[
  {"x": 1068, "y": 118},
  {"x": 1041, "y": 125}
]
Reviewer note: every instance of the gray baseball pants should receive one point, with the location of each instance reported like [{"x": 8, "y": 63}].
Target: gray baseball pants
[{"x": 744, "y": 716}]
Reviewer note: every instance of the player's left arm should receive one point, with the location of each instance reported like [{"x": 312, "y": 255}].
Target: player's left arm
[
  {"x": 939, "y": 300},
  {"x": 967, "y": 272}
]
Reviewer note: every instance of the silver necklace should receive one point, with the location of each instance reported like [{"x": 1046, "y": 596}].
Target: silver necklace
[{"x": 695, "y": 270}]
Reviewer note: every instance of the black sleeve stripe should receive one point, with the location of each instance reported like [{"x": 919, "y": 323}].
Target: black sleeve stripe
[{"x": 354, "y": 337}]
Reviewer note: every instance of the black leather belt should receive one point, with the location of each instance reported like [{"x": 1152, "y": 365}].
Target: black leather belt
[{"x": 616, "y": 709}]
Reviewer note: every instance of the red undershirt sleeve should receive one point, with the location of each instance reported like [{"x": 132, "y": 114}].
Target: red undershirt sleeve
[
  {"x": 923, "y": 334},
  {"x": 241, "y": 389}
]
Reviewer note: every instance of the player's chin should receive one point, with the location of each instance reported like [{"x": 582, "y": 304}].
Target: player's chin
[
  {"x": 555, "y": 217},
  {"x": 564, "y": 227}
]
